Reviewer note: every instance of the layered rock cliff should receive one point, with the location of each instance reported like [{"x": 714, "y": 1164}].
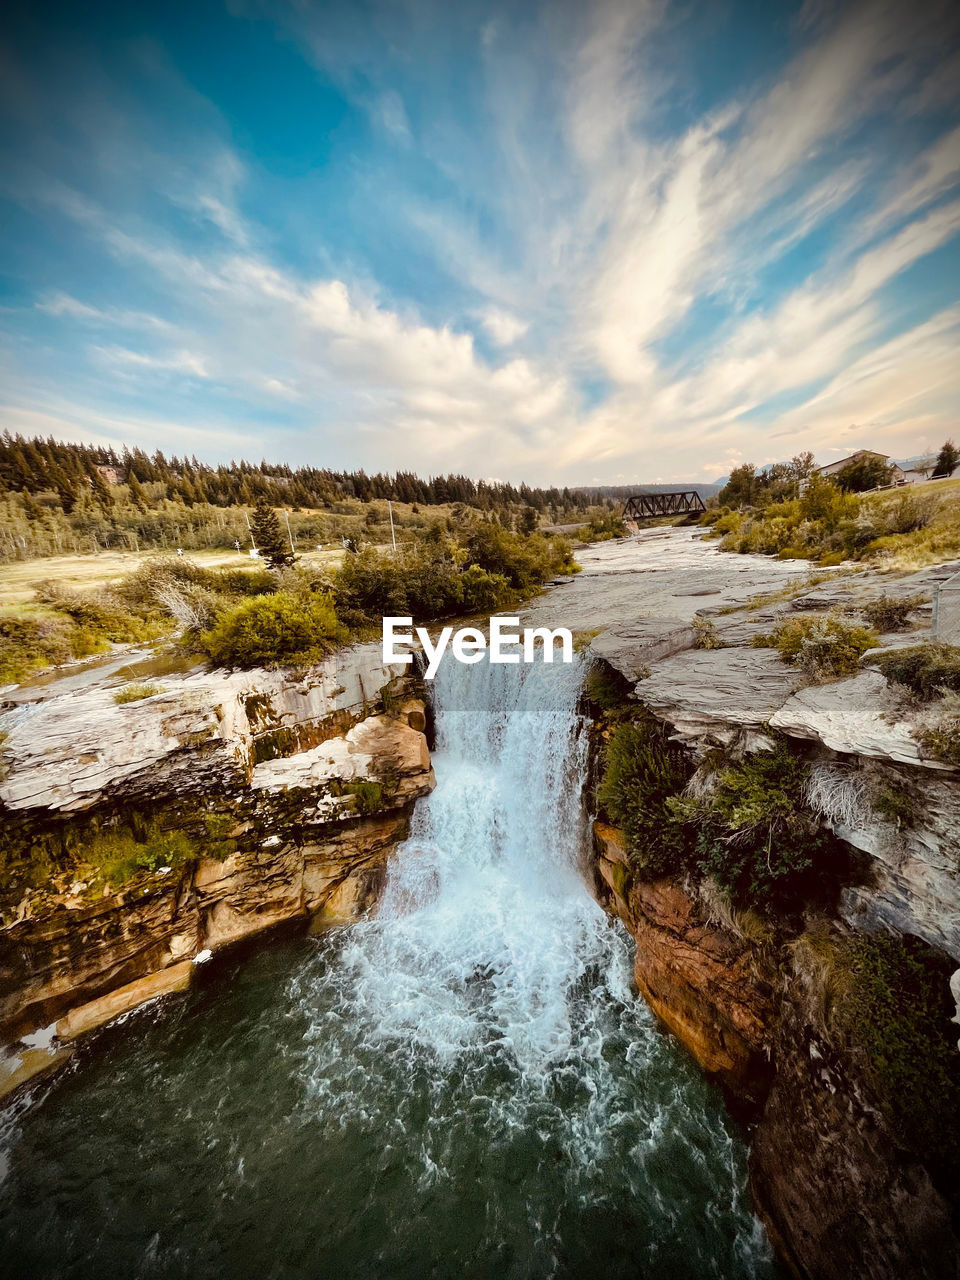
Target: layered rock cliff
[
  {"x": 842, "y": 1189},
  {"x": 141, "y": 837}
]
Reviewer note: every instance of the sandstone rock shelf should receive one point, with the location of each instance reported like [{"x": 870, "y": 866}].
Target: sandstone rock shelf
[{"x": 294, "y": 787}]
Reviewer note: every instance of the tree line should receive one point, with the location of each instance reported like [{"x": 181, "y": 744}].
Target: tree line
[{"x": 34, "y": 466}]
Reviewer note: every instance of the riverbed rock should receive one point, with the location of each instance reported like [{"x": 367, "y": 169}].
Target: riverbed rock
[
  {"x": 98, "y": 1012},
  {"x": 19, "y": 1069}
]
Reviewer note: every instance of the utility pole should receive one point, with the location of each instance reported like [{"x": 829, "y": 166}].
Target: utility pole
[
  {"x": 392, "y": 534},
  {"x": 286, "y": 516}
]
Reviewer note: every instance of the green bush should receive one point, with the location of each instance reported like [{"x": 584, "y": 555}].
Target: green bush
[
  {"x": 29, "y": 641},
  {"x": 368, "y": 796},
  {"x": 942, "y": 741},
  {"x": 140, "y": 589},
  {"x": 939, "y": 730},
  {"x": 891, "y": 613},
  {"x": 135, "y": 692},
  {"x": 524, "y": 561},
  {"x": 893, "y": 803},
  {"x": 926, "y": 669},
  {"x": 909, "y": 513},
  {"x": 95, "y": 611},
  {"x": 758, "y": 838},
  {"x": 898, "y": 1015},
  {"x": 483, "y": 592},
  {"x": 65, "y": 624},
  {"x": 824, "y": 501},
  {"x": 822, "y": 647},
  {"x": 489, "y": 569},
  {"x": 422, "y": 582},
  {"x": 607, "y": 689},
  {"x": 906, "y": 527},
  {"x": 642, "y": 773},
  {"x": 864, "y": 474},
  {"x": 275, "y": 629},
  {"x": 119, "y": 856},
  {"x": 707, "y": 635},
  {"x": 604, "y": 526}
]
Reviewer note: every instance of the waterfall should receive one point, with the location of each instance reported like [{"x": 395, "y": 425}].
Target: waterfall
[
  {"x": 463, "y": 1085},
  {"x": 494, "y": 994},
  {"x": 486, "y": 925}
]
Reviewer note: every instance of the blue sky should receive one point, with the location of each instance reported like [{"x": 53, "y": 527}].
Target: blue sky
[{"x": 563, "y": 243}]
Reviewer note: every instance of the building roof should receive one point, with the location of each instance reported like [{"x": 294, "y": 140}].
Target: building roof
[{"x": 854, "y": 457}]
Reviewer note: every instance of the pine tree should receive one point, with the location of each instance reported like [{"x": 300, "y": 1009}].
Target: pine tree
[
  {"x": 137, "y": 495},
  {"x": 947, "y": 459},
  {"x": 528, "y": 521},
  {"x": 268, "y": 537},
  {"x": 64, "y": 487},
  {"x": 101, "y": 489}
]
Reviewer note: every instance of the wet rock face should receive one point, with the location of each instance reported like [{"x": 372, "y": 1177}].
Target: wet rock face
[
  {"x": 839, "y": 1195},
  {"x": 67, "y": 956},
  {"x": 707, "y": 986}
]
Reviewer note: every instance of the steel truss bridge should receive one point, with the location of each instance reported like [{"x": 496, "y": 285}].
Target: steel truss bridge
[{"x": 647, "y": 506}]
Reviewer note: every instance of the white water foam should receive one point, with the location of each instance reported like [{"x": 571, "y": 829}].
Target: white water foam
[{"x": 492, "y": 978}]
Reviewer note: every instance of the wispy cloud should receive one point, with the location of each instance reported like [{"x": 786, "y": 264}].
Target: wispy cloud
[{"x": 664, "y": 273}]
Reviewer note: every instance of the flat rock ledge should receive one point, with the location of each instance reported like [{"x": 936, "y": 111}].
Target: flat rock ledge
[
  {"x": 631, "y": 648},
  {"x": 70, "y": 753},
  {"x": 718, "y": 692},
  {"x": 848, "y": 717}
]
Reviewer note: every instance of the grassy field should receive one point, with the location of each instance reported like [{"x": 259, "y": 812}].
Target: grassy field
[{"x": 17, "y": 580}]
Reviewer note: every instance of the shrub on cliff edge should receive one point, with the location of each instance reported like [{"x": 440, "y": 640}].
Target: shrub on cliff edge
[
  {"x": 758, "y": 837},
  {"x": 823, "y": 648},
  {"x": 643, "y": 773},
  {"x": 925, "y": 669},
  {"x": 275, "y": 629}
]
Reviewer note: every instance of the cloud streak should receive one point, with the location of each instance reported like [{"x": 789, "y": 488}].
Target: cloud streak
[{"x": 545, "y": 250}]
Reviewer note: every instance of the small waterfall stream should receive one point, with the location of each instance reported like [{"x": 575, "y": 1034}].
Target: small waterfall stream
[{"x": 464, "y": 1085}]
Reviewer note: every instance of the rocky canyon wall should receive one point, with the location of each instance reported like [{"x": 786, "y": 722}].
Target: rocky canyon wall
[
  {"x": 841, "y": 1190},
  {"x": 140, "y": 837}
]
